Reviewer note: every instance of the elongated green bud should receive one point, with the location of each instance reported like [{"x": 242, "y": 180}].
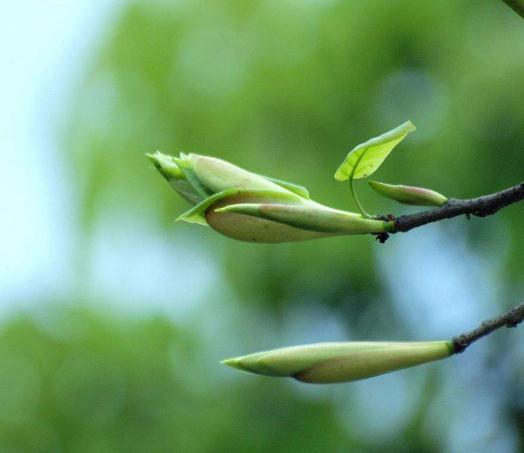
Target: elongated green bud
[
  {"x": 409, "y": 194},
  {"x": 325, "y": 363},
  {"x": 309, "y": 216}
]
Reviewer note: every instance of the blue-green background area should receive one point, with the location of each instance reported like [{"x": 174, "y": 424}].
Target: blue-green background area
[{"x": 113, "y": 319}]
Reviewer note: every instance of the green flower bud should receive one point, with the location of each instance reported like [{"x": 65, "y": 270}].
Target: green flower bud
[
  {"x": 325, "y": 363},
  {"x": 409, "y": 195},
  {"x": 250, "y": 207}
]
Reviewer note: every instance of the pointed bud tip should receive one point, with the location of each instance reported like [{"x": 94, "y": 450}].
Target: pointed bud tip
[
  {"x": 409, "y": 125},
  {"x": 166, "y": 165},
  {"x": 412, "y": 195},
  {"x": 234, "y": 362},
  {"x": 153, "y": 158},
  {"x": 230, "y": 362}
]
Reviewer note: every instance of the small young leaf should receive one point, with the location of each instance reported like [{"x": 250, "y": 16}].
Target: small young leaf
[{"x": 363, "y": 160}]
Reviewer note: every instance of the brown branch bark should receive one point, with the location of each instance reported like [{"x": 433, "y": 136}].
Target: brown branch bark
[
  {"x": 511, "y": 318},
  {"x": 480, "y": 207}
]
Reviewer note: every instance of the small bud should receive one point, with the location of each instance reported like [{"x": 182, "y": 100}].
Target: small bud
[
  {"x": 409, "y": 195},
  {"x": 325, "y": 363}
]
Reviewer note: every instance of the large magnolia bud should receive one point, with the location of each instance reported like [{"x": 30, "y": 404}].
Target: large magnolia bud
[
  {"x": 325, "y": 363},
  {"x": 250, "y": 207}
]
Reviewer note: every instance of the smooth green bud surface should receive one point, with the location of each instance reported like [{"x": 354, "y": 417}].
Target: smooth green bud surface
[
  {"x": 218, "y": 175},
  {"x": 409, "y": 194},
  {"x": 256, "y": 228},
  {"x": 309, "y": 216},
  {"x": 324, "y": 363}
]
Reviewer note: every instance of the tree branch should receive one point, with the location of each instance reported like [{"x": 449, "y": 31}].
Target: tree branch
[
  {"x": 511, "y": 318},
  {"x": 480, "y": 207}
]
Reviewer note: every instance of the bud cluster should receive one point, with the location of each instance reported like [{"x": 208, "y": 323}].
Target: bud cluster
[
  {"x": 250, "y": 207},
  {"x": 254, "y": 208}
]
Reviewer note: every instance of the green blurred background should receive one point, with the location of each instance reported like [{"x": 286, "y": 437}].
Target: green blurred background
[{"x": 114, "y": 319}]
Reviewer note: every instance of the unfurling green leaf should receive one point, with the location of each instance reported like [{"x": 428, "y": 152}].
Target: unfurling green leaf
[
  {"x": 418, "y": 196},
  {"x": 325, "y": 363},
  {"x": 363, "y": 160}
]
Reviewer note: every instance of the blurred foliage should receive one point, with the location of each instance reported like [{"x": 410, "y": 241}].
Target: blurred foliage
[
  {"x": 86, "y": 383},
  {"x": 283, "y": 88}
]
